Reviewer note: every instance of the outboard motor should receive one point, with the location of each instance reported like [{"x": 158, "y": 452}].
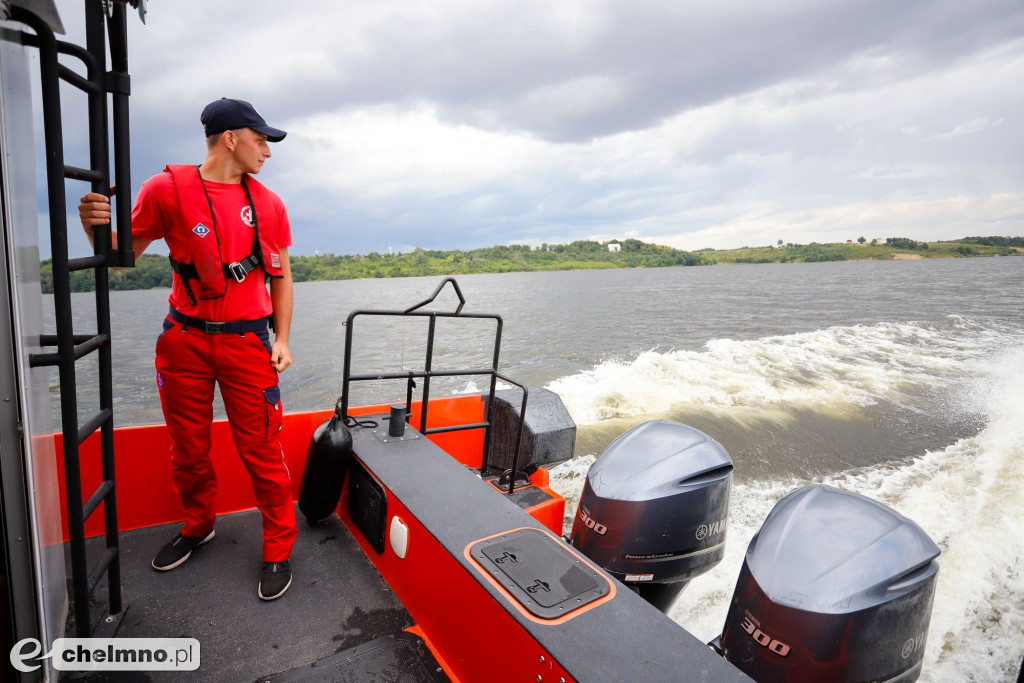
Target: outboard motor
[
  {"x": 834, "y": 587},
  {"x": 654, "y": 508}
]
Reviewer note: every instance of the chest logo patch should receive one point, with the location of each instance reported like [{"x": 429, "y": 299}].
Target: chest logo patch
[
  {"x": 247, "y": 216},
  {"x": 201, "y": 230}
]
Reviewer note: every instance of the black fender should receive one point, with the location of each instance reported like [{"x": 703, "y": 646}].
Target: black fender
[{"x": 330, "y": 450}]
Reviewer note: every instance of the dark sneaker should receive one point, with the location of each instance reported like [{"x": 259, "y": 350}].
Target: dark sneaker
[
  {"x": 275, "y": 580},
  {"x": 178, "y": 550}
]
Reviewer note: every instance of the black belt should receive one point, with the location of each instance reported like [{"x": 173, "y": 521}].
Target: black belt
[{"x": 237, "y": 326}]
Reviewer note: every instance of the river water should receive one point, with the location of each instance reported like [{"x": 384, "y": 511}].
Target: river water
[{"x": 901, "y": 380}]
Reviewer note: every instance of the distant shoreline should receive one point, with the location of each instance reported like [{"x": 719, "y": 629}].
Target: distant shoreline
[{"x": 153, "y": 271}]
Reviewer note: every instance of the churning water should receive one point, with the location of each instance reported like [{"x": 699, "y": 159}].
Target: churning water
[{"x": 967, "y": 495}]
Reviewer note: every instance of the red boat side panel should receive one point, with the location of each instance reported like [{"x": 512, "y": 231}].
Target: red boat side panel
[
  {"x": 449, "y": 604},
  {"x": 550, "y": 513},
  {"x": 145, "y": 496}
]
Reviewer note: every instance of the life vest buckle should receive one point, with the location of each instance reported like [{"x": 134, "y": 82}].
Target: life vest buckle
[{"x": 238, "y": 270}]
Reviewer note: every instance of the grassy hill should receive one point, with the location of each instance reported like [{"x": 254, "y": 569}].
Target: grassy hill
[{"x": 893, "y": 248}]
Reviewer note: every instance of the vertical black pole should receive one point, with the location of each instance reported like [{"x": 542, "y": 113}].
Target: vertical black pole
[
  {"x": 427, "y": 367},
  {"x": 121, "y": 86},
  {"x": 519, "y": 442},
  {"x": 489, "y": 405},
  {"x": 99, "y": 161},
  {"x": 346, "y": 372}
]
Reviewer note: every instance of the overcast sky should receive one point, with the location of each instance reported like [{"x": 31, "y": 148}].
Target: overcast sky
[{"x": 456, "y": 124}]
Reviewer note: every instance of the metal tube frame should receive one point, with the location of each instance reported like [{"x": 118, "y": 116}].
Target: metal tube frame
[{"x": 429, "y": 372}]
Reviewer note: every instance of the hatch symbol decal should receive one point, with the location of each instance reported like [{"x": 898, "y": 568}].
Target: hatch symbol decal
[{"x": 506, "y": 557}]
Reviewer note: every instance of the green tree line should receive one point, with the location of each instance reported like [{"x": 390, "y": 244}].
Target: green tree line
[
  {"x": 150, "y": 271},
  {"x": 153, "y": 271},
  {"x": 583, "y": 254},
  {"x": 995, "y": 241}
]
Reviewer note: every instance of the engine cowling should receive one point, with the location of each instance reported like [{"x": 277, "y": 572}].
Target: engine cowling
[
  {"x": 834, "y": 587},
  {"x": 654, "y": 508}
]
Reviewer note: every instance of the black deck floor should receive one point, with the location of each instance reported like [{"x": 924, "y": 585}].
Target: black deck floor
[{"x": 337, "y": 600}]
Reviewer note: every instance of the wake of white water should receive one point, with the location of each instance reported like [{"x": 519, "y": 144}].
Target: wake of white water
[
  {"x": 968, "y": 497},
  {"x": 835, "y": 370}
]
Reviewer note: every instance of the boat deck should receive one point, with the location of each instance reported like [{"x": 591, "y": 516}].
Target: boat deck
[{"x": 337, "y": 602}]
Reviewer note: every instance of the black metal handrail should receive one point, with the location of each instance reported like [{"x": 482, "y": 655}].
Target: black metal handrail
[
  {"x": 97, "y": 84},
  {"x": 428, "y": 372}
]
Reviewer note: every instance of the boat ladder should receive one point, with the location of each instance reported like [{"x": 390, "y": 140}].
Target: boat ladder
[{"x": 97, "y": 84}]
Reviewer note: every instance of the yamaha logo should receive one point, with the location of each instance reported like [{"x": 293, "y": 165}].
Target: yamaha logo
[
  {"x": 201, "y": 230},
  {"x": 705, "y": 530},
  {"x": 913, "y": 645}
]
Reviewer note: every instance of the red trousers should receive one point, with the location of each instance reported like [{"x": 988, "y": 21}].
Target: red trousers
[{"x": 188, "y": 362}]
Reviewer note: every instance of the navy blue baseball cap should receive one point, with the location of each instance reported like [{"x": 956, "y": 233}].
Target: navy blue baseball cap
[{"x": 227, "y": 114}]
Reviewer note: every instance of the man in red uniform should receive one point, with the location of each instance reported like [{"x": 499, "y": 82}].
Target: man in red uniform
[{"x": 228, "y": 236}]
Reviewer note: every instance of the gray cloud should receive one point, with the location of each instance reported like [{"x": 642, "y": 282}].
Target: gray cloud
[
  {"x": 591, "y": 70},
  {"x": 456, "y": 124}
]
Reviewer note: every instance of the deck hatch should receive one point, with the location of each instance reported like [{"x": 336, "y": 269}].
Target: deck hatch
[{"x": 540, "y": 572}]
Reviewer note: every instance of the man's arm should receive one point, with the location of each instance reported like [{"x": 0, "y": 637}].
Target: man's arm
[
  {"x": 93, "y": 210},
  {"x": 282, "y": 298}
]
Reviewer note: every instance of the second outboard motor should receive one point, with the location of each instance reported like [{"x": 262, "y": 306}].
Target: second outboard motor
[
  {"x": 834, "y": 587},
  {"x": 654, "y": 508}
]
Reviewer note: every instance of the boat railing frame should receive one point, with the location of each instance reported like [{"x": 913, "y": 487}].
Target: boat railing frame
[
  {"x": 97, "y": 84},
  {"x": 428, "y": 372}
]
